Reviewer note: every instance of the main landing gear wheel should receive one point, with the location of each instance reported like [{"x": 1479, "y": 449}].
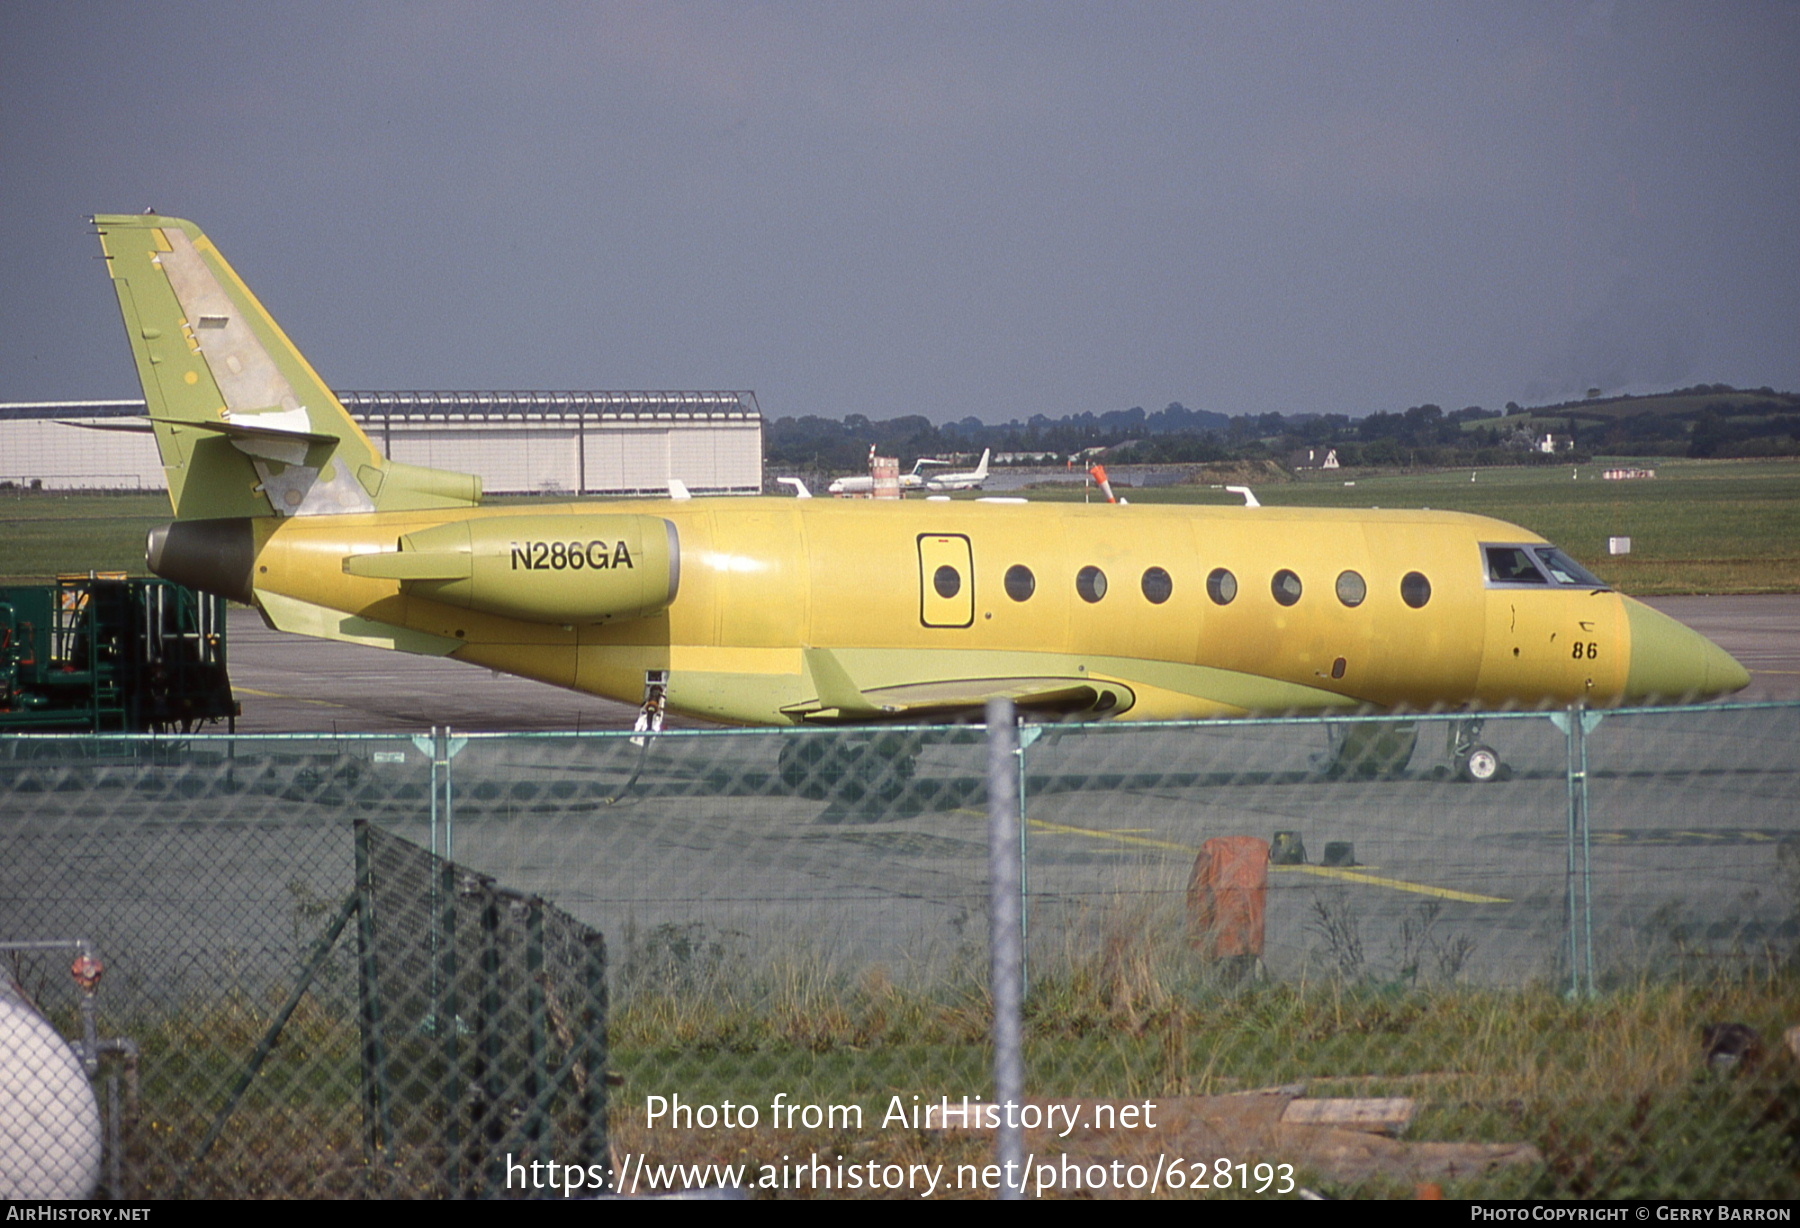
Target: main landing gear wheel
[{"x": 1479, "y": 765}]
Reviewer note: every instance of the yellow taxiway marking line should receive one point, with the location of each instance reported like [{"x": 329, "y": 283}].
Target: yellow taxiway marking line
[
  {"x": 250, "y": 690},
  {"x": 1349, "y": 876},
  {"x": 1375, "y": 880},
  {"x": 1146, "y": 841}
]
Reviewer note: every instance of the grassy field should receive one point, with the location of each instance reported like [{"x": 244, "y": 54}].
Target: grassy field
[
  {"x": 1698, "y": 527},
  {"x": 43, "y": 535}
]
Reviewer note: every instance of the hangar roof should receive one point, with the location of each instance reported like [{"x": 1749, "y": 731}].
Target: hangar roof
[{"x": 465, "y": 405}]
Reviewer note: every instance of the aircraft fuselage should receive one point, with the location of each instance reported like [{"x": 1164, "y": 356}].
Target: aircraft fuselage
[{"x": 779, "y": 611}]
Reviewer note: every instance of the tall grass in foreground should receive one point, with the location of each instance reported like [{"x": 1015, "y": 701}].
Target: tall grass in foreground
[{"x": 1615, "y": 1092}]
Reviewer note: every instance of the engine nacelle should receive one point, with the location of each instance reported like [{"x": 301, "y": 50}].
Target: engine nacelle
[{"x": 569, "y": 570}]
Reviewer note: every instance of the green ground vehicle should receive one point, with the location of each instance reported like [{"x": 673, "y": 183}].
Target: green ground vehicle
[{"x": 107, "y": 654}]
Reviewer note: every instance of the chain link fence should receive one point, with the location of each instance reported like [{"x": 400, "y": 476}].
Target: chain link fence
[{"x": 1302, "y": 945}]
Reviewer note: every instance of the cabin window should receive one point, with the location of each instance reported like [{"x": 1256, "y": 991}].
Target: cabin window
[
  {"x": 1090, "y": 582},
  {"x": 1286, "y": 587},
  {"x": 946, "y": 581},
  {"x": 1415, "y": 590},
  {"x": 1157, "y": 586},
  {"x": 1221, "y": 586},
  {"x": 1351, "y": 588},
  {"x": 1020, "y": 583}
]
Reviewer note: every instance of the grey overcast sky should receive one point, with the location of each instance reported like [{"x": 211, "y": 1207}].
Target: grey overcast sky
[{"x": 961, "y": 209}]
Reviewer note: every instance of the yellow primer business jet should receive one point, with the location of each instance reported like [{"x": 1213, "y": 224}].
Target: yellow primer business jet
[{"x": 793, "y": 611}]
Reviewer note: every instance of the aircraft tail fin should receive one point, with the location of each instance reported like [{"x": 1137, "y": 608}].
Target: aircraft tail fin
[
  {"x": 981, "y": 469},
  {"x": 244, "y": 425}
]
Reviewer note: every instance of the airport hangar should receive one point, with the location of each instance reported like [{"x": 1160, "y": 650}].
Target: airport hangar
[{"x": 540, "y": 443}]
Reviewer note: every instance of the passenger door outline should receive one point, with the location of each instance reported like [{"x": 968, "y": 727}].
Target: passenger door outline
[{"x": 940, "y": 603}]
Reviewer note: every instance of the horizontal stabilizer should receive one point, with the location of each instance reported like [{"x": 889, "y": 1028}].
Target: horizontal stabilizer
[
  {"x": 268, "y": 442},
  {"x": 132, "y": 426}
]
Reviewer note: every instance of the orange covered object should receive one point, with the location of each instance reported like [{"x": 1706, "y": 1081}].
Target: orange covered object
[{"x": 1228, "y": 894}]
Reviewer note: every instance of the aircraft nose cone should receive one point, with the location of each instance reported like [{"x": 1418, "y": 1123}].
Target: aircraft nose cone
[{"x": 1670, "y": 662}]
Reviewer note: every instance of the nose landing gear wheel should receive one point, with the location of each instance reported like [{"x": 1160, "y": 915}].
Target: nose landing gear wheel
[{"x": 1478, "y": 764}]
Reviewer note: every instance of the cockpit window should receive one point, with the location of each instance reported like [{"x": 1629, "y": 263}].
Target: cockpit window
[
  {"x": 1565, "y": 570},
  {"x": 1535, "y": 565},
  {"x": 1512, "y": 565}
]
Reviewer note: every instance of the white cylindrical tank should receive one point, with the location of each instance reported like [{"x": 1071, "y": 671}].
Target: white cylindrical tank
[{"x": 49, "y": 1119}]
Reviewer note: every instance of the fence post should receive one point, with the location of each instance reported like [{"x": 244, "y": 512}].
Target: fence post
[
  {"x": 1007, "y": 952},
  {"x": 538, "y": 1087},
  {"x": 433, "y": 748},
  {"x": 594, "y": 1053},
  {"x": 377, "y": 1129},
  {"x": 1587, "y": 724},
  {"x": 1026, "y": 735},
  {"x": 440, "y": 748},
  {"x": 488, "y": 1129},
  {"x": 446, "y": 1013},
  {"x": 445, "y": 751},
  {"x": 1576, "y": 724}
]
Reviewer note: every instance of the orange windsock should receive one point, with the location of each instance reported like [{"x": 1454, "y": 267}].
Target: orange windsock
[{"x": 1098, "y": 473}]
